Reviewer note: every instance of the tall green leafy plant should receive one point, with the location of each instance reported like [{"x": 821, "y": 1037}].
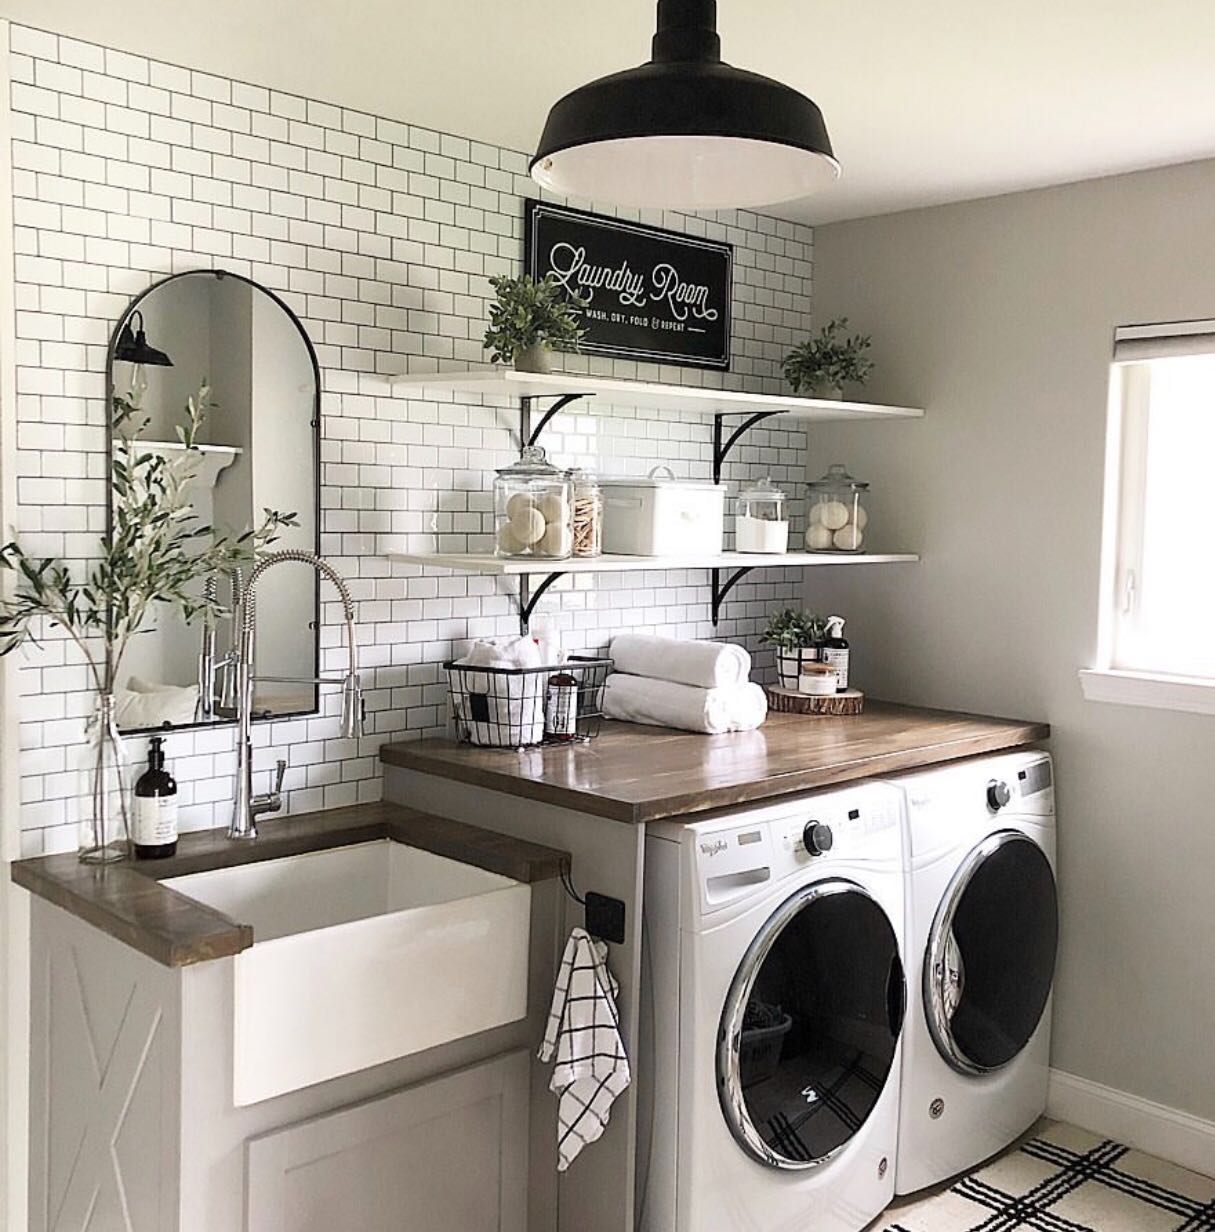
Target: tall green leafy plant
[
  {"x": 527, "y": 313},
  {"x": 158, "y": 551}
]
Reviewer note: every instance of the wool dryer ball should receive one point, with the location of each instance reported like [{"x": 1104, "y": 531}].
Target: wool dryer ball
[
  {"x": 848, "y": 539},
  {"x": 818, "y": 537},
  {"x": 553, "y": 507},
  {"x": 527, "y": 525},
  {"x": 517, "y": 504},
  {"x": 556, "y": 540},
  {"x": 834, "y": 515},
  {"x": 507, "y": 542}
]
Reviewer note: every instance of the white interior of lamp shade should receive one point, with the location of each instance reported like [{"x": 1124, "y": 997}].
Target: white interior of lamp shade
[{"x": 703, "y": 173}]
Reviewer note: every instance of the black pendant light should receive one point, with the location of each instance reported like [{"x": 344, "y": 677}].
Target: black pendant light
[
  {"x": 132, "y": 345},
  {"x": 685, "y": 130}
]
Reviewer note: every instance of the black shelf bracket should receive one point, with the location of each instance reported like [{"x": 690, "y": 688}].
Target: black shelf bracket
[
  {"x": 720, "y": 591},
  {"x": 721, "y": 451},
  {"x": 528, "y": 598},
  {"x": 529, "y": 435}
]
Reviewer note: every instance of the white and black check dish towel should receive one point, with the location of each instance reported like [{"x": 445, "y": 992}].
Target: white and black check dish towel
[{"x": 583, "y": 1035}]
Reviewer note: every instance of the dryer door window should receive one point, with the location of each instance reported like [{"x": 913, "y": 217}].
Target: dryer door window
[
  {"x": 810, "y": 1026},
  {"x": 991, "y": 954}
]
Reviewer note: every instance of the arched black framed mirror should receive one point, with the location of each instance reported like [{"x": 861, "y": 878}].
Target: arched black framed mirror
[{"x": 221, "y": 337}]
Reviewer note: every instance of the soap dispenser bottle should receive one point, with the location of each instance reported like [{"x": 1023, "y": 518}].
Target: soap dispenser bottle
[
  {"x": 836, "y": 651},
  {"x": 154, "y": 821}
]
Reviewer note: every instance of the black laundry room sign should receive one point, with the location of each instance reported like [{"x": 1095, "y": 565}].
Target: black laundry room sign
[{"x": 654, "y": 294}]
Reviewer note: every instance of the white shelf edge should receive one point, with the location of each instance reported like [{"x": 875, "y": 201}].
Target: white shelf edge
[
  {"x": 178, "y": 447},
  {"x": 501, "y": 567},
  {"x": 506, "y": 382}
]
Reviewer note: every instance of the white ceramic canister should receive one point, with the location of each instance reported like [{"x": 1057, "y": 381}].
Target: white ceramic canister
[{"x": 661, "y": 515}]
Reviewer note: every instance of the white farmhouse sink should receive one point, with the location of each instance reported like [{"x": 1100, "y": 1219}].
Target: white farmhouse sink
[{"x": 363, "y": 954}]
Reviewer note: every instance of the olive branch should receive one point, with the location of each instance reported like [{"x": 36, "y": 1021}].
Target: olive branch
[{"x": 156, "y": 551}]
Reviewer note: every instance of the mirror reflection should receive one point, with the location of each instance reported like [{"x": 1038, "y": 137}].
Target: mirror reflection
[{"x": 217, "y": 339}]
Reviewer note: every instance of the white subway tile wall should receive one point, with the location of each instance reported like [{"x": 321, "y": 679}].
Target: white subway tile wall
[{"x": 382, "y": 237}]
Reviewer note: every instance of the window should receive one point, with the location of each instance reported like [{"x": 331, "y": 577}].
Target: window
[{"x": 1157, "y": 620}]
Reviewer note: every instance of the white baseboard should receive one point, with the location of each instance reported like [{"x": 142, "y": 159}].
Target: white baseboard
[{"x": 1157, "y": 1129}]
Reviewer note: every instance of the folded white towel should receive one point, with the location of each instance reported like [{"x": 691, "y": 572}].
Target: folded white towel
[
  {"x": 583, "y": 1034},
  {"x": 501, "y": 711},
  {"x": 636, "y": 699},
  {"x": 706, "y": 665}
]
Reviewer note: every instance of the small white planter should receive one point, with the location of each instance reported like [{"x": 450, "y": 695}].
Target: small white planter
[{"x": 789, "y": 665}]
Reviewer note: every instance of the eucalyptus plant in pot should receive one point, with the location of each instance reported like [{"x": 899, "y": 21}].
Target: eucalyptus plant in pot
[
  {"x": 797, "y": 636},
  {"x": 822, "y": 363},
  {"x": 157, "y": 551},
  {"x": 530, "y": 318}
]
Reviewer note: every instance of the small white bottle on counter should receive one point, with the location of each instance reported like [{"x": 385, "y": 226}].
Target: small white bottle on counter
[{"x": 836, "y": 651}]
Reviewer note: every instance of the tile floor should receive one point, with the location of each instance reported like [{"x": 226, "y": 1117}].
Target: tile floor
[{"x": 1062, "y": 1179}]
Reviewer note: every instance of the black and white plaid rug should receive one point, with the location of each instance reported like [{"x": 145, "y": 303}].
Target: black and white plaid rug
[{"x": 1064, "y": 1179}]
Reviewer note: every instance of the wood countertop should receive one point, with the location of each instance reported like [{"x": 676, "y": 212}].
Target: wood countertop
[
  {"x": 128, "y": 902},
  {"x": 635, "y": 774}
]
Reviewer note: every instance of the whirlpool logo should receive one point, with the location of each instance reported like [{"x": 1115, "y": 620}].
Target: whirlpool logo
[{"x": 714, "y": 848}]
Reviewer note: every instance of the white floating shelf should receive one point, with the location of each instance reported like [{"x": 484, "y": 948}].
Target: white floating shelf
[
  {"x": 230, "y": 451},
  {"x": 504, "y": 567},
  {"x": 507, "y": 383}
]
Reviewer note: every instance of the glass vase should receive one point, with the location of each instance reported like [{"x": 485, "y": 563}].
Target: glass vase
[{"x": 105, "y": 782}]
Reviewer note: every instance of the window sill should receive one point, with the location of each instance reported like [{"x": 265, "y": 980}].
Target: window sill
[{"x": 1160, "y": 692}]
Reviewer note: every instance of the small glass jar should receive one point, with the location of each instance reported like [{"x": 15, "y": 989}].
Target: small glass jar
[
  {"x": 588, "y": 514},
  {"x": 761, "y": 523},
  {"x": 533, "y": 509},
  {"x": 837, "y": 520}
]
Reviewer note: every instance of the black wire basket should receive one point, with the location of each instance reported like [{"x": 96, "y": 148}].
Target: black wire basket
[{"x": 516, "y": 707}]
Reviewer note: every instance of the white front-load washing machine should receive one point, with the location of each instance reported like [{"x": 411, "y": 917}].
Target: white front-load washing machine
[
  {"x": 772, "y": 1002},
  {"x": 982, "y": 932}
]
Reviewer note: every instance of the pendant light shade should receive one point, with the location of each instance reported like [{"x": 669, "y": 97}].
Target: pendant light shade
[
  {"x": 685, "y": 130},
  {"x": 133, "y": 348}
]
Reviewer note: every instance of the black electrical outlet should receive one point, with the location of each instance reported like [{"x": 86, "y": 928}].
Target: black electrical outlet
[{"x": 605, "y": 917}]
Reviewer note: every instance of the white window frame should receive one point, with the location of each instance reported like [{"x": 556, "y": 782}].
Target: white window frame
[{"x": 1122, "y": 525}]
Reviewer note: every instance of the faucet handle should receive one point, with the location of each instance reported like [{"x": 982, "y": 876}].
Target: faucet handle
[{"x": 280, "y": 769}]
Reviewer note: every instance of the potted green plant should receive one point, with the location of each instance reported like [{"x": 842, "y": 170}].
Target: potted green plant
[
  {"x": 797, "y": 636},
  {"x": 821, "y": 364},
  {"x": 157, "y": 551},
  {"x": 528, "y": 319}
]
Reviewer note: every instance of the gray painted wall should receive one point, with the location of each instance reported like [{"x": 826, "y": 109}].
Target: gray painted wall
[{"x": 997, "y": 316}]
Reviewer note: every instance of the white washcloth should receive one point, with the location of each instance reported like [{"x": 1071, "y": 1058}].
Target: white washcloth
[
  {"x": 583, "y": 1034},
  {"x": 706, "y": 665},
  {"x": 636, "y": 699},
  {"x": 502, "y": 711}
]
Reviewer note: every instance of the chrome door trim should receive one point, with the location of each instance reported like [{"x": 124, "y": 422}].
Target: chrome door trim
[
  {"x": 729, "y": 1034},
  {"x": 944, "y": 976}
]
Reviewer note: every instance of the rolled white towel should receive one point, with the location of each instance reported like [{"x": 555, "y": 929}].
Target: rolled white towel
[
  {"x": 502, "y": 711},
  {"x": 705, "y": 665},
  {"x": 636, "y": 699}
]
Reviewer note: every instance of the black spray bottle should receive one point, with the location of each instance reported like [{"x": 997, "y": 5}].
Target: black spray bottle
[
  {"x": 835, "y": 650},
  {"x": 154, "y": 822}
]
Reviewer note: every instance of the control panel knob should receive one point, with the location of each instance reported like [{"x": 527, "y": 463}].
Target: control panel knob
[
  {"x": 998, "y": 795},
  {"x": 817, "y": 837}
]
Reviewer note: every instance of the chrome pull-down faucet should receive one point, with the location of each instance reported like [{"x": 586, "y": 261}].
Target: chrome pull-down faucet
[{"x": 245, "y": 806}]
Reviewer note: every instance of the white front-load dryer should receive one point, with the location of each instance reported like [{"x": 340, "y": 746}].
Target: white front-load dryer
[
  {"x": 772, "y": 1003},
  {"x": 982, "y": 933}
]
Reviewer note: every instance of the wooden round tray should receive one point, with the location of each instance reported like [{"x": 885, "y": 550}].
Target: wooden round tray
[{"x": 786, "y": 701}]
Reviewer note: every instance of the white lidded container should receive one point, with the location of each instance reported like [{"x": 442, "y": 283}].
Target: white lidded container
[
  {"x": 761, "y": 523},
  {"x": 661, "y": 515}
]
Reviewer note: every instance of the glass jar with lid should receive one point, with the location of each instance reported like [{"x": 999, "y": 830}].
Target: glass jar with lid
[
  {"x": 533, "y": 509},
  {"x": 761, "y": 523},
  {"x": 837, "y": 520},
  {"x": 588, "y": 514}
]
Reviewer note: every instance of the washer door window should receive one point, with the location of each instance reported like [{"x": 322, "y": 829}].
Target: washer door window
[
  {"x": 810, "y": 1026},
  {"x": 991, "y": 954}
]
